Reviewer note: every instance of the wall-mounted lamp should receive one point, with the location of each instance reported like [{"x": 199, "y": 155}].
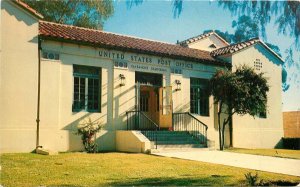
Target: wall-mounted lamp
[
  {"x": 123, "y": 80},
  {"x": 178, "y": 85}
]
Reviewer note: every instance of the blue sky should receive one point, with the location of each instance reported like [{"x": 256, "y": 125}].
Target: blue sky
[{"x": 154, "y": 20}]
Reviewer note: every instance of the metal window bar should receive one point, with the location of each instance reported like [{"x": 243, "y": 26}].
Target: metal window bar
[{"x": 187, "y": 122}]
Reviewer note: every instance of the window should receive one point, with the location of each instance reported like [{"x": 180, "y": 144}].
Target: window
[
  {"x": 257, "y": 64},
  {"x": 87, "y": 84},
  {"x": 50, "y": 55},
  {"x": 144, "y": 101},
  {"x": 199, "y": 97},
  {"x": 262, "y": 114},
  {"x": 213, "y": 46}
]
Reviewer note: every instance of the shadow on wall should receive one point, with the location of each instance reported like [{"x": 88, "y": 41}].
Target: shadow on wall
[
  {"x": 271, "y": 58},
  {"x": 120, "y": 117},
  {"x": 182, "y": 108},
  {"x": 75, "y": 142},
  {"x": 19, "y": 15}
]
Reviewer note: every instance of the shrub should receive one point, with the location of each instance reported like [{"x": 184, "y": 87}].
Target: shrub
[
  {"x": 251, "y": 179},
  {"x": 291, "y": 143},
  {"x": 88, "y": 130}
]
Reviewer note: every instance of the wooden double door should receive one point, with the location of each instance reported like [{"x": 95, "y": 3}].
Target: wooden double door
[{"x": 156, "y": 103}]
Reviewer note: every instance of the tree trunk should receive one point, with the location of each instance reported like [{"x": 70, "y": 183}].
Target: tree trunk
[
  {"x": 230, "y": 132},
  {"x": 223, "y": 134},
  {"x": 219, "y": 124},
  {"x": 230, "y": 124}
]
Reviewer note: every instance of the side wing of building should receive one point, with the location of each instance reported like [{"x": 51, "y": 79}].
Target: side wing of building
[
  {"x": 263, "y": 130},
  {"x": 18, "y": 76}
]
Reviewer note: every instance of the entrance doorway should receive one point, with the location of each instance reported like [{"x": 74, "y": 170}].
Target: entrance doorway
[{"x": 153, "y": 99}]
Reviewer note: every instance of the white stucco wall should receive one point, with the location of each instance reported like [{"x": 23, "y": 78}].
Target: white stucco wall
[
  {"x": 181, "y": 100},
  {"x": 57, "y": 93},
  {"x": 18, "y": 79},
  {"x": 204, "y": 43},
  {"x": 57, "y": 97},
  {"x": 249, "y": 132}
]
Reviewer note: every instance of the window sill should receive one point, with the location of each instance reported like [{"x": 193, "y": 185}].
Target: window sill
[
  {"x": 200, "y": 115},
  {"x": 85, "y": 111}
]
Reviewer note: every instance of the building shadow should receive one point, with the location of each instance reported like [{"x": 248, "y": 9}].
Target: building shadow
[{"x": 172, "y": 181}]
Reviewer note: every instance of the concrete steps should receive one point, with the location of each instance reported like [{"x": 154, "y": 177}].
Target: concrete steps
[
  {"x": 173, "y": 140},
  {"x": 176, "y": 149}
]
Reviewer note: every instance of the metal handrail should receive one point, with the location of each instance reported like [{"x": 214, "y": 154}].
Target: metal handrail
[
  {"x": 144, "y": 124},
  {"x": 197, "y": 119},
  {"x": 195, "y": 127},
  {"x": 157, "y": 127}
]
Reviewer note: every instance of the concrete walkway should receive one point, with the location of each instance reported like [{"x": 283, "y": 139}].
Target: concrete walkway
[{"x": 256, "y": 162}]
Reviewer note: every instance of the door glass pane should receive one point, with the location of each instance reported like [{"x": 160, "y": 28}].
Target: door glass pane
[{"x": 144, "y": 101}]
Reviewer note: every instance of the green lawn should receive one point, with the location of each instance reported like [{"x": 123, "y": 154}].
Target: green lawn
[
  {"x": 81, "y": 169},
  {"x": 284, "y": 153}
]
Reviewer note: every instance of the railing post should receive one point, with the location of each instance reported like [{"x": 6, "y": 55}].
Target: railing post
[
  {"x": 185, "y": 121},
  {"x": 173, "y": 122},
  {"x": 127, "y": 120},
  {"x": 156, "y": 139}
]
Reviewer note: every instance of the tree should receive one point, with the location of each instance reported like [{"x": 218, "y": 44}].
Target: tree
[
  {"x": 245, "y": 29},
  {"x": 225, "y": 35},
  {"x": 285, "y": 13},
  {"x": 87, "y": 13},
  {"x": 240, "y": 92}
]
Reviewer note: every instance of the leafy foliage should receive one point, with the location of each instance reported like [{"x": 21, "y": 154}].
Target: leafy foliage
[
  {"x": 251, "y": 179},
  {"x": 87, "y": 13},
  {"x": 245, "y": 28},
  {"x": 88, "y": 130},
  {"x": 286, "y": 13},
  {"x": 241, "y": 92},
  {"x": 131, "y": 3},
  {"x": 177, "y": 8},
  {"x": 245, "y": 90},
  {"x": 225, "y": 35}
]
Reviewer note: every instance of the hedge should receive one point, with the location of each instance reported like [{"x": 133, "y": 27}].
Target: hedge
[{"x": 291, "y": 143}]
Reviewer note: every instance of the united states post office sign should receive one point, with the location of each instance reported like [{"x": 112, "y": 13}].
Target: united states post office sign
[
  {"x": 156, "y": 61},
  {"x": 146, "y": 68}
]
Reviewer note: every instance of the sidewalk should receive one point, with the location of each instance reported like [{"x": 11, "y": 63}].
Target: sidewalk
[{"x": 256, "y": 162}]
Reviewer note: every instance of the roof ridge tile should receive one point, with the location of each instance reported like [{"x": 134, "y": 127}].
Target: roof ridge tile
[
  {"x": 104, "y": 39},
  {"x": 241, "y": 45}
]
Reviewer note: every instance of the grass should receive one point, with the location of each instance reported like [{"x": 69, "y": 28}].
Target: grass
[
  {"x": 116, "y": 169},
  {"x": 283, "y": 153}
]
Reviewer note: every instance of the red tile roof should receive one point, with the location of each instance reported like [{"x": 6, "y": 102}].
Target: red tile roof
[
  {"x": 201, "y": 36},
  {"x": 242, "y": 45},
  {"x": 28, "y": 9},
  {"x": 67, "y": 33}
]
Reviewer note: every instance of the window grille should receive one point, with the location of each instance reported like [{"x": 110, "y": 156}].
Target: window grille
[
  {"x": 50, "y": 55},
  {"x": 199, "y": 97},
  {"x": 257, "y": 64},
  {"x": 87, "y": 93},
  {"x": 262, "y": 114},
  {"x": 144, "y": 101}
]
